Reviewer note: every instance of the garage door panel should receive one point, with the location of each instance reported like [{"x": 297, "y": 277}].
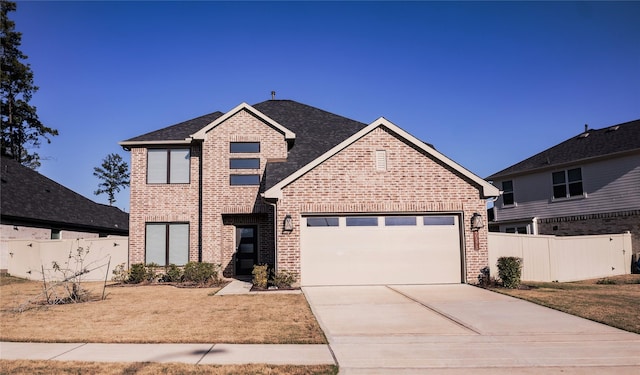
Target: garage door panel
[{"x": 380, "y": 255}]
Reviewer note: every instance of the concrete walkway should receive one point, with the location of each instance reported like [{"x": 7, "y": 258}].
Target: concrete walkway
[
  {"x": 461, "y": 329},
  {"x": 216, "y": 354}
]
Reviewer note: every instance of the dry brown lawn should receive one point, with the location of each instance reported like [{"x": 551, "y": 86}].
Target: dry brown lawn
[
  {"x": 158, "y": 314},
  {"x": 59, "y": 367},
  {"x": 617, "y": 305}
]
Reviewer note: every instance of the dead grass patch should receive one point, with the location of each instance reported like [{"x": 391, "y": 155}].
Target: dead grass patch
[
  {"x": 159, "y": 314},
  {"x": 145, "y": 368},
  {"x": 616, "y": 304}
]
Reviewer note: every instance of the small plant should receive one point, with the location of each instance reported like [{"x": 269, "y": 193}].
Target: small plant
[
  {"x": 137, "y": 273},
  {"x": 606, "y": 281},
  {"x": 120, "y": 274},
  {"x": 509, "y": 271},
  {"x": 260, "y": 276},
  {"x": 201, "y": 272},
  {"x": 152, "y": 273},
  {"x": 172, "y": 274},
  {"x": 283, "y": 279}
]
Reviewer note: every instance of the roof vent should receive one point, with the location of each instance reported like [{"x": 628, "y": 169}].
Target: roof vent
[
  {"x": 613, "y": 128},
  {"x": 273, "y": 95}
]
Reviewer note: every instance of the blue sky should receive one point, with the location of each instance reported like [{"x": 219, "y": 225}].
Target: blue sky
[{"x": 488, "y": 83}]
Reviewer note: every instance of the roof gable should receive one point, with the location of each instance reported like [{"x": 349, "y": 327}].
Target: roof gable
[
  {"x": 487, "y": 189},
  {"x": 202, "y": 133},
  {"x": 592, "y": 144},
  {"x": 31, "y": 197}
]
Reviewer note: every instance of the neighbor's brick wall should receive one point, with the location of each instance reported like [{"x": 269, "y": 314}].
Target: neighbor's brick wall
[
  {"x": 161, "y": 203},
  {"x": 602, "y": 223},
  {"x": 349, "y": 183},
  {"x": 221, "y": 199}
]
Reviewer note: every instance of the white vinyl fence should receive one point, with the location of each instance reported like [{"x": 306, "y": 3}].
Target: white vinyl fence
[
  {"x": 571, "y": 258},
  {"x": 27, "y": 258}
]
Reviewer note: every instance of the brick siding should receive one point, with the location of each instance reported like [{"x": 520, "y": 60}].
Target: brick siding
[{"x": 349, "y": 183}]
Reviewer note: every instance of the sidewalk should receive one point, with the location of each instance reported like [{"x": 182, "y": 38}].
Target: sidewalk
[
  {"x": 217, "y": 354},
  {"x": 214, "y": 354}
]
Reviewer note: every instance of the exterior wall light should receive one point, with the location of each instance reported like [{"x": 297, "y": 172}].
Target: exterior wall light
[
  {"x": 476, "y": 222},
  {"x": 288, "y": 223},
  {"x": 476, "y": 225}
]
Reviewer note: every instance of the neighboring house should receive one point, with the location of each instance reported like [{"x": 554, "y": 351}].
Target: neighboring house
[
  {"x": 334, "y": 200},
  {"x": 35, "y": 207},
  {"x": 588, "y": 184}
]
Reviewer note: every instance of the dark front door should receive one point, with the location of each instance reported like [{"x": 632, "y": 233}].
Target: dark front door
[{"x": 246, "y": 249}]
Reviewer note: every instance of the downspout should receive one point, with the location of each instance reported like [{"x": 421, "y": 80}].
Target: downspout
[
  {"x": 200, "y": 184},
  {"x": 275, "y": 231},
  {"x": 534, "y": 225}
]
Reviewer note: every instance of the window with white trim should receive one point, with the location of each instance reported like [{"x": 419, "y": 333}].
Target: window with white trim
[
  {"x": 167, "y": 243},
  {"x": 168, "y": 166},
  {"x": 507, "y": 193},
  {"x": 567, "y": 183}
]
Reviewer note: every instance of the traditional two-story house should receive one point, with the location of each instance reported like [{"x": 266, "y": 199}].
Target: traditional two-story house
[
  {"x": 334, "y": 200},
  {"x": 588, "y": 184}
]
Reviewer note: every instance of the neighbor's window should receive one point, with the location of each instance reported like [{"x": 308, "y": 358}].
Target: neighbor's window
[
  {"x": 567, "y": 183},
  {"x": 362, "y": 221},
  {"x": 322, "y": 221},
  {"x": 168, "y": 166},
  {"x": 244, "y": 147},
  {"x": 244, "y": 163},
  {"x": 244, "y": 179},
  {"x": 507, "y": 193},
  {"x": 167, "y": 243}
]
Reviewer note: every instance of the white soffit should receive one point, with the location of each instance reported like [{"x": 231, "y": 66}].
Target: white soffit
[
  {"x": 201, "y": 134},
  {"x": 488, "y": 190}
]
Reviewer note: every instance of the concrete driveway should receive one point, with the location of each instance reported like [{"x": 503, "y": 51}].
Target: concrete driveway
[{"x": 461, "y": 329}]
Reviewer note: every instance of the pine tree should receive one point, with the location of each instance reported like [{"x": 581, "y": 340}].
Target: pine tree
[
  {"x": 21, "y": 128},
  {"x": 114, "y": 174}
]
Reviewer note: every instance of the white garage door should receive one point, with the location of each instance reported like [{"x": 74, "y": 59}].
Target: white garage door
[{"x": 370, "y": 250}]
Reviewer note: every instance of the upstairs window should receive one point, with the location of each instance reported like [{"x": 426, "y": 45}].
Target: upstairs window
[
  {"x": 507, "y": 193},
  {"x": 168, "y": 166},
  {"x": 244, "y": 179},
  {"x": 567, "y": 183},
  {"x": 236, "y": 163},
  {"x": 244, "y": 147}
]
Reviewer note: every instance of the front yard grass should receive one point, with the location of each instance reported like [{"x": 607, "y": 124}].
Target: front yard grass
[
  {"x": 158, "y": 314},
  {"x": 140, "y": 368},
  {"x": 614, "y": 301}
]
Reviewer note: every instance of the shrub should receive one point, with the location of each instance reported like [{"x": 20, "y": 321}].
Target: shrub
[
  {"x": 172, "y": 274},
  {"x": 120, "y": 274},
  {"x": 284, "y": 279},
  {"x": 260, "y": 276},
  {"x": 200, "y": 273},
  {"x": 509, "y": 271},
  {"x": 152, "y": 272},
  {"x": 137, "y": 274}
]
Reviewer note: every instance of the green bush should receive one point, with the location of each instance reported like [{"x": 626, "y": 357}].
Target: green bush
[
  {"x": 152, "y": 273},
  {"x": 200, "y": 273},
  {"x": 260, "y": 275},
  {"x": 284, "y": 279},
  {"x": 509, "y": 271},
  {"x": 172, "y": 274},
  {"x": 137, "y": 274}
]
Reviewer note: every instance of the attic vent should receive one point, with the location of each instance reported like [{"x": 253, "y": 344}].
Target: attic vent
[
  {"x": 381, "y": 160},
  {"x": 613, "y": 128}
]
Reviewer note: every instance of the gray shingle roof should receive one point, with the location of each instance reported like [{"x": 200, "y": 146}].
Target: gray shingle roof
[
  {"x": 592, "y": 144},
  {"x": 29, "y": 197},
  {"x": 317, "y": 131},
  {"x": 177, "y": 132}
]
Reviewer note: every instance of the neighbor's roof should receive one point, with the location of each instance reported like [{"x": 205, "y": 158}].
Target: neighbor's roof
[
  {"x": 591, "y": 144},
  {"x": 29, "y": 197}
]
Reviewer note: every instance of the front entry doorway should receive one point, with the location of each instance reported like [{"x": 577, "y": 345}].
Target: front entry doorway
[{"x": 246, "y": 249}]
